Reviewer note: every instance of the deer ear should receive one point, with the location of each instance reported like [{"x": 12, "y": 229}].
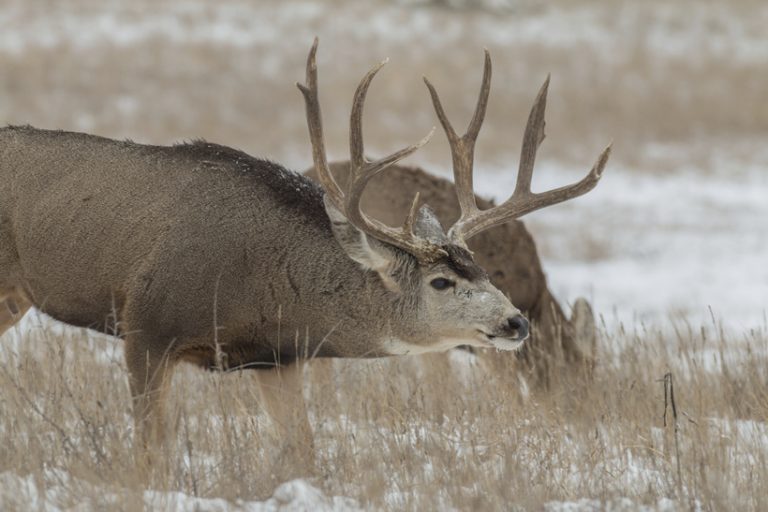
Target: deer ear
[
  {"x": 428, "y": 226},
  {"x": 368, "y": 252}
]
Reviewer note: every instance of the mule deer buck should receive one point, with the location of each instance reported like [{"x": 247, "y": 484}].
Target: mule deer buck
[
  {"x": 506, "y": 251},
  {"x": 200, "y": 253}
]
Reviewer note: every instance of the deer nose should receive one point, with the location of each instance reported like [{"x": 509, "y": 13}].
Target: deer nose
[{"x": 518, "y": 324}]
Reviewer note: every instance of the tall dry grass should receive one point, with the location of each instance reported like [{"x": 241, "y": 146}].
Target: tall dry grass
[{"x": 408, "y": 433}]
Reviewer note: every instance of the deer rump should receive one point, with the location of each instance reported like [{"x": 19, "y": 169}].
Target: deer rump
[{"x": 507, "y": 252}]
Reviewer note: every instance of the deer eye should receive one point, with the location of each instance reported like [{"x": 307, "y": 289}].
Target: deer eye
[{"x": 441, "y": 283}]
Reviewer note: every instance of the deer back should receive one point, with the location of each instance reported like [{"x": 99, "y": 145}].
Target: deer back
[{"x": 175, "y": 240}]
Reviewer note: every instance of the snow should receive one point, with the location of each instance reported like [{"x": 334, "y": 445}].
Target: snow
[
  {"x": 615, "y": 505},
  {"x": 48, "y": 495},
  {"x": 293, "y": 496},
  {"x": 750, "y": 436},
  {"x": 688, "y": 245}
]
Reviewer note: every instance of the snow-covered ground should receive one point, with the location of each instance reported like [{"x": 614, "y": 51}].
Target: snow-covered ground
[
  {"x": 680, "y": 234},
  {"x": 54, "y": 493}
]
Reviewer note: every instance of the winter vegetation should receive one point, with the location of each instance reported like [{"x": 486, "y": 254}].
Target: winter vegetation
[{"x": 670, "y": 248}]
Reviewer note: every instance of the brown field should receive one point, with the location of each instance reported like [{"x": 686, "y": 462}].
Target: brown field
[
  {"x": 408, "y": 433},
  {"x": 677, "y": 87}
]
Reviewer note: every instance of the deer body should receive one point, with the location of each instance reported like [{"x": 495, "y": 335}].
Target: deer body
[{"x": 174, "y": 241}]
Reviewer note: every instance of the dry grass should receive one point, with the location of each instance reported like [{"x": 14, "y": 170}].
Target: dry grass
[{"x": 409, "y": 433}]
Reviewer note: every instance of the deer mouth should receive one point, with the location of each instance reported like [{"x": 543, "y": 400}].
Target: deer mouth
[{"x": 502, "y": 342}]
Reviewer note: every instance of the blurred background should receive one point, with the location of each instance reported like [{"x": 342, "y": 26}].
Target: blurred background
[{"x": 676, "y": 231}]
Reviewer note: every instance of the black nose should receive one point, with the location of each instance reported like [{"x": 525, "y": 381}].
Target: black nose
[{"x": 519, "y": 325}]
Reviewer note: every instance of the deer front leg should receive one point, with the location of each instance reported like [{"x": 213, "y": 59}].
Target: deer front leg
[
  {"x": 584, "y": 331},
  {"x": 149, "y": 375},
  {"x": 13, "y": 306},
  {"x": 281, "y": 391}
]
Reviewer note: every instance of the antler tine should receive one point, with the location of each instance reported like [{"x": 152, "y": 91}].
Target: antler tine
[
  {"x": 523, "y": 201},
  {"x": 463, "y": 148},
  {"x": 411, "y": 218},
  {"x": 516, "y": 207},
  {"x": 532, "y": 139},
  {"x": 362, "y": 169},
  {"x": 447, "y": 126},
  {"x": 356, "y": 146},
  {"x": 482, "y": 100},
  {"x": 315, "y": 124}
]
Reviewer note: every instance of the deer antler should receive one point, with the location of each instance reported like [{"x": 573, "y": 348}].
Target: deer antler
[
  {"x": 361, "y": 170},
  {"x": 473, "y": 220}
]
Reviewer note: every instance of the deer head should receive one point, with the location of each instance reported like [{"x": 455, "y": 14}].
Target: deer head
[{"x": 432, "y": 272}]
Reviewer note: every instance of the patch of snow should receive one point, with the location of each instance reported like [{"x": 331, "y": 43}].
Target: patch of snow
[
  {"x": 615, "y": 505},
  {"x": 646, "y": 246},
  {"x": 52, "y": 493}
]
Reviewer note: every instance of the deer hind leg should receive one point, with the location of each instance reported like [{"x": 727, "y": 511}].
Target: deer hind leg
[
  {"x": 13, "y": 306},
  {"x": 584, "y": 331},
  {"x": 281, "y": 391},
  {"x": 558, "y": 346},
  {"x": 149, "y": 376},
  {"x": 542, "y": 353},
  {"x": 562, "y": 343}
]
